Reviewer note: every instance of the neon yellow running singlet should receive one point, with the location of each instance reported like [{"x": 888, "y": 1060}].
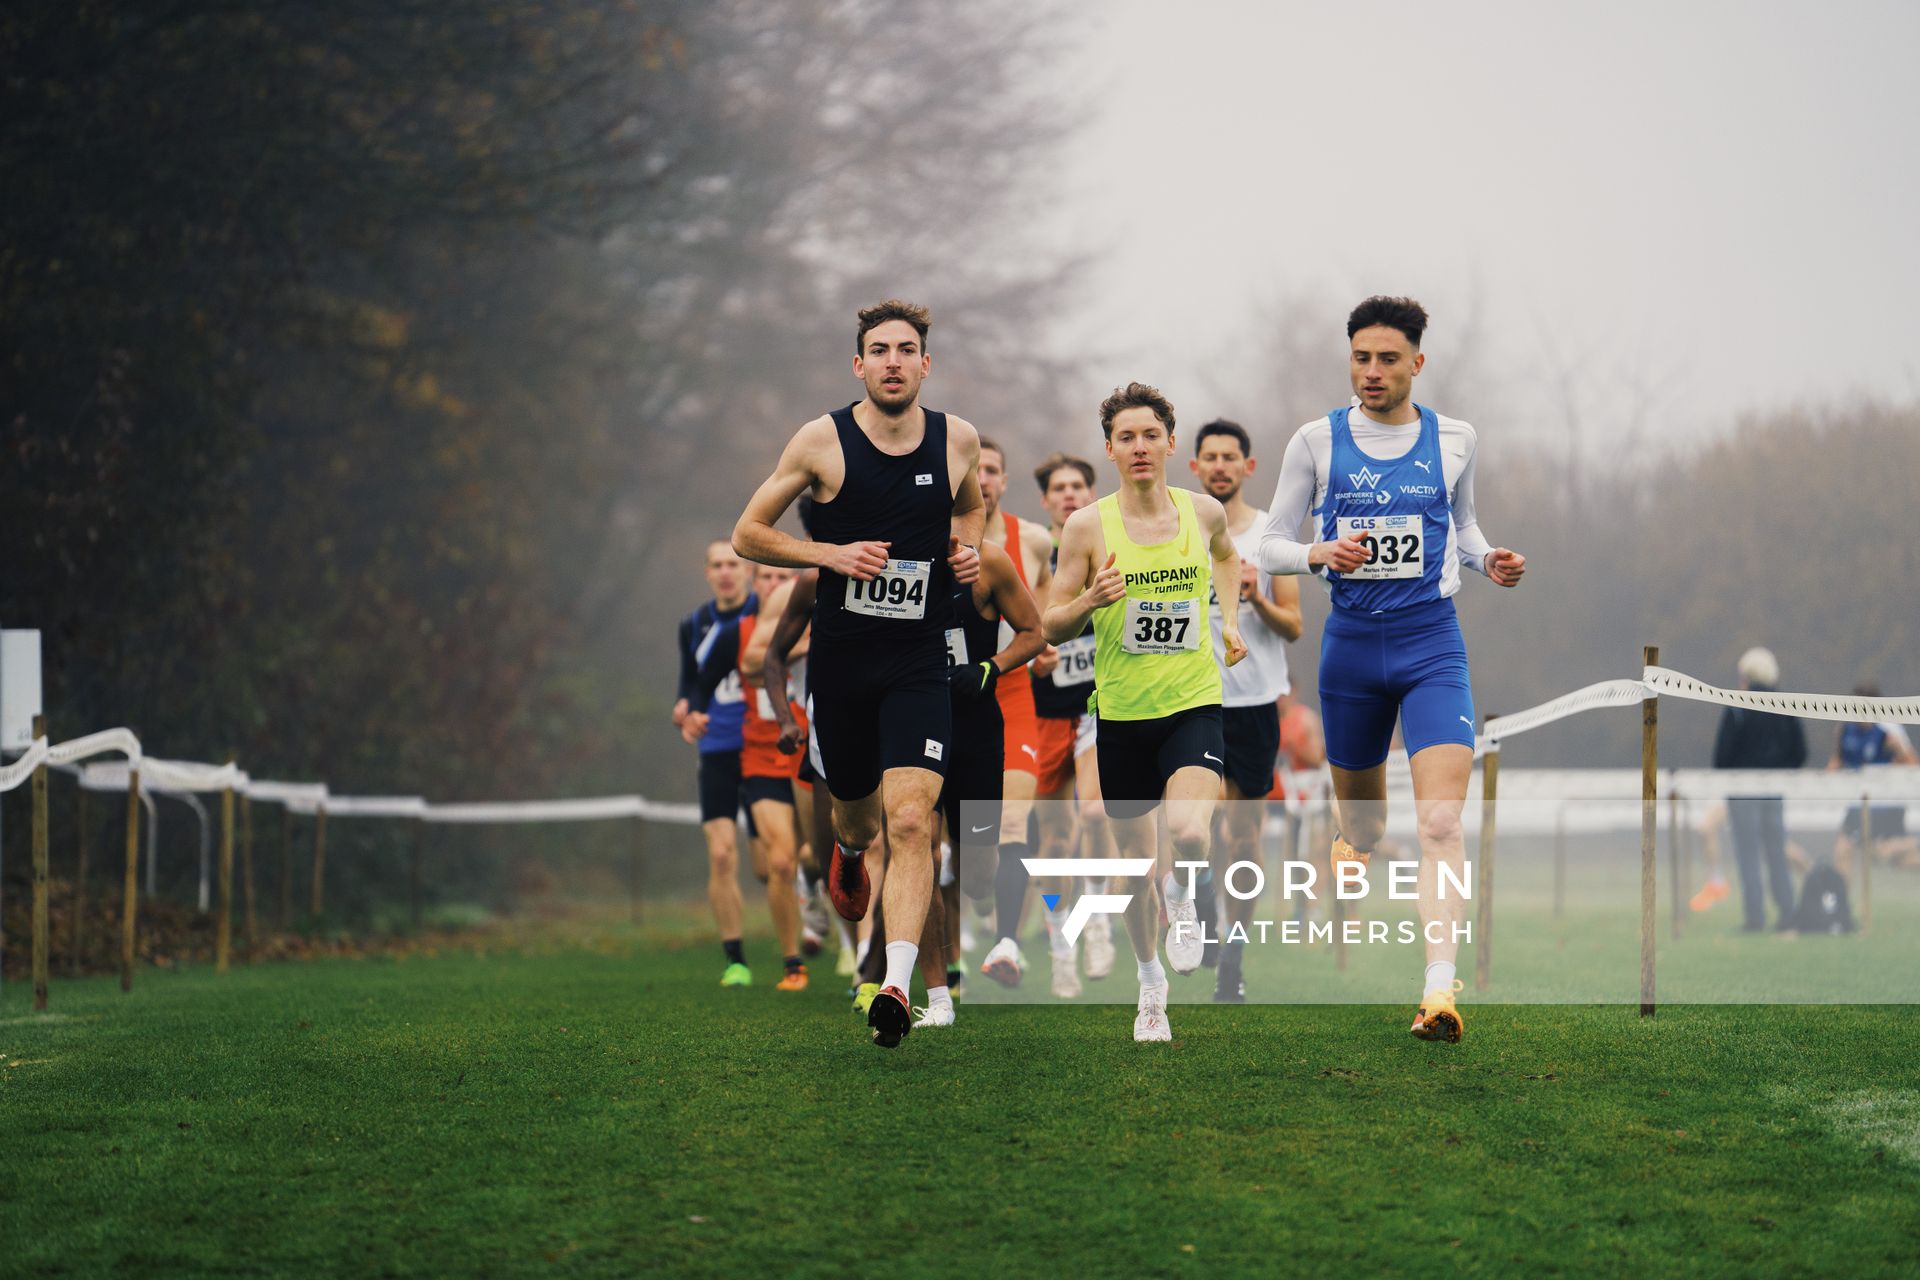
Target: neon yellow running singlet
[{"x": 1153, "y": 650}]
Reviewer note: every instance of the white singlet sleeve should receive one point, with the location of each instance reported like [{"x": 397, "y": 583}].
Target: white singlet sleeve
[
  {"x": 1281, "y": 551},
  {"x": 1470, "y": 544}
]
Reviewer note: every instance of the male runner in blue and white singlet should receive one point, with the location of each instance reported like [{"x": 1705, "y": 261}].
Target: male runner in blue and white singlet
[{"x": 1389, "y": 484}]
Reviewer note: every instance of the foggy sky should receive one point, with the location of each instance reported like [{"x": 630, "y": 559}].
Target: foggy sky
[{"x": 1708, "y": 207}]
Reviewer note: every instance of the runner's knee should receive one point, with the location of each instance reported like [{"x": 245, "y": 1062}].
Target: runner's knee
[{"x": 1439, "y": 825}]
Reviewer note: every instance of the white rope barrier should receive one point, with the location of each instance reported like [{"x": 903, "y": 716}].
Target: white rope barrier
[
  {"x": 364, "y": 806},
  {"x": 311, "y": 794},
  {"x": 1526, "y": 789},
  {"x": 591, "y": 809},
  {"x": 1608, "y": 693},
  {"x": 175, "y": 776},
  {"x": 12, "y": 775},
  {"x": 1808, "y": 706},
  {"x": 95, "y": 744}
]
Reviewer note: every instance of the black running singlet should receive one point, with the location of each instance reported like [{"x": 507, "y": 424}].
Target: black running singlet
[
  {"x": 906, "y": 501},
  {"x": 1063, "y": 694},
  {"x": 971, "y": 639}
]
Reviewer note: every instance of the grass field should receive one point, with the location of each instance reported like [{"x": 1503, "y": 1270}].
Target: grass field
[{"x": 607, "y": 1110}]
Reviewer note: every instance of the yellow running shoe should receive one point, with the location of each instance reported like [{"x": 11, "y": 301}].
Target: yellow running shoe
[
  {"x": 1344, "y": 853},
  {"x": 737, "y": 975},
  {"x": 1437, "y": 1019},
  {"x": 863, "y": 996},
  {"x": 796, "y": 980}
]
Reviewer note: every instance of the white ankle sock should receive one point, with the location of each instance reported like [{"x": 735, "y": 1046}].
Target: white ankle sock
[
  {"x": 1151, "y": 972},
  {"x": 1175, "y": 886},
  {"x": 901, "y": 957},
  {"x": 1057, "y": 930},
  {"x": 1439, "y": 976},
  {"x": 939, "y": 998}
]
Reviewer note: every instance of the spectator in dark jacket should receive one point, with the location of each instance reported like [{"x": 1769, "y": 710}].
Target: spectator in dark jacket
[{"x": 1760, "y": 740}]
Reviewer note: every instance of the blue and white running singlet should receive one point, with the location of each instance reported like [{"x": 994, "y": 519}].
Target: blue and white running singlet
[{"x": 1392, "y": 647}]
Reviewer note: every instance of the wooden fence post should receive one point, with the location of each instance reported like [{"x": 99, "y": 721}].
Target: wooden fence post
[
  {"x": 319, "y": 859},
  {"x": 76, "y": 942},
  {"x": 1649, "y": 828},
  {"x": 40, "y": 939},
  {"x": 413, "y": 871},
  {"x": 246, "y": 874},
  {"x": 130, "y": 897},
  {"x": 286, "y": 866},
  {"x": 223, "y": 923}
]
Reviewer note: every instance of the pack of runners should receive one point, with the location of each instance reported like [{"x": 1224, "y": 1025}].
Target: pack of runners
[{"x": 1125, "y": 663}]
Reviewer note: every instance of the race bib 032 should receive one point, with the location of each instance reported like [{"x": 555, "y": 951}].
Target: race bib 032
[{"x": 1395, "y": 546}]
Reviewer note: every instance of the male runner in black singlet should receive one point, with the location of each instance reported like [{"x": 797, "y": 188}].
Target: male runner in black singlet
[{"x": 899, "y": 517}]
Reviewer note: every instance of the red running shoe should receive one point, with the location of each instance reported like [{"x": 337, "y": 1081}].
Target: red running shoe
[
  {"x": 847, "y": 883},
  {"x": 889, "y": 1017}
]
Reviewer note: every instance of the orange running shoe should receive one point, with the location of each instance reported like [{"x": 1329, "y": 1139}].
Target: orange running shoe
[
  {"x": 1437, "y": 1019},
  {"x": 1711, "y": 893},
  {"x": 1345, "y": 853},
  {"x": 796, "y": 980}
]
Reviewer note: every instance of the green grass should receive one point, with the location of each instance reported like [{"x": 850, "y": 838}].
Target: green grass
[{"x": 610, "y": 1111}]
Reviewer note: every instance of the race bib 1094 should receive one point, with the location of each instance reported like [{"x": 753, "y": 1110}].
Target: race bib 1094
[{"x": 898, "y": 591}]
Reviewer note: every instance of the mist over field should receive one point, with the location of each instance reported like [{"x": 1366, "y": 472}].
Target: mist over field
[{"x": 374, "y": 374}]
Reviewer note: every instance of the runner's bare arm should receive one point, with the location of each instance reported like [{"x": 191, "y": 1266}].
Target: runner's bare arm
[
  {"x": 754, "y": 656},
  {"x": 773, "y": 668},
  {"x": 754, "y": 535},
  {"x": 1279, "y": 609},
  {"x": 1226, "y": 572},
  {"x": 969, "y": 509},
  {"x": 1078, "y": 588},
  {"x": 1037, "y": 550},
  {"x": 1016, "y": 606}
]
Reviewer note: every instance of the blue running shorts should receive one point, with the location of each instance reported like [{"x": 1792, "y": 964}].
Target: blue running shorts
[{"x": 1407, "y": 663}]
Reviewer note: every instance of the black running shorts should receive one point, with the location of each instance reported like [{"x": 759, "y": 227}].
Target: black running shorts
[
  {"x": 976, "y": 777},
  {"x": 879, "y": 707},
  {"x": 719, "y": 785},
  {"x": 758, "y": 789},
  {"x": 1137, "y": 757},
  {"x": 1252, "y": 735}
]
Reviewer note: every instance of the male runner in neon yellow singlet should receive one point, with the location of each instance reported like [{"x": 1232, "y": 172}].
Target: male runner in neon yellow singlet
[{"x": 1141, "y": 563}]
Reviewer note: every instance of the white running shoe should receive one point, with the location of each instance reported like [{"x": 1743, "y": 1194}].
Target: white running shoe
[
  {"x": 1004, "y": 964},
  {"x": 942, "y": 1016},
  {"x": 813, "y": 915},
  {"x": 1150, "y": 1017},
  {"x": 1066, "y": 976},
  {"x": 1099, "y": 939},
  {"x": 1184, "y": 948}
]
